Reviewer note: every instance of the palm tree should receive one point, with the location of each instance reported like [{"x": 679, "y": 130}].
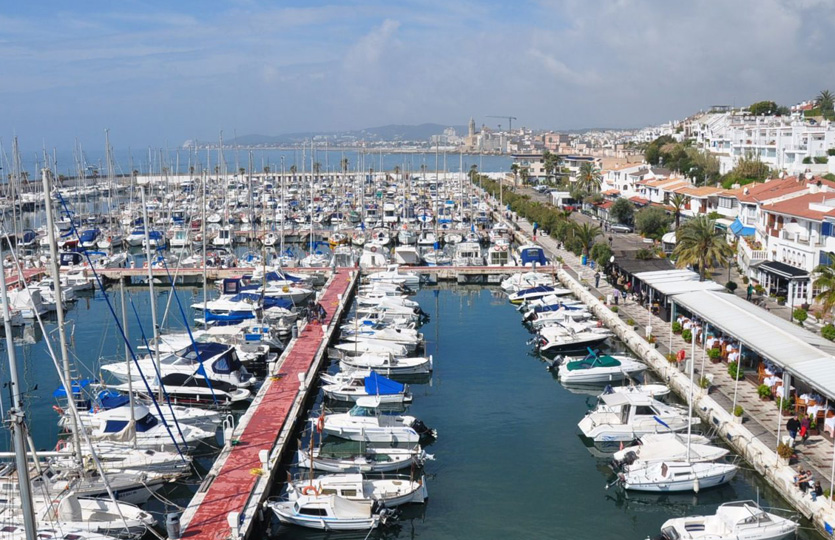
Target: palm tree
[
  {"x": 698, "y": 242},
  {"x": 825, "y": 281},
  {"x": 293, "y": 170},
  {"x": 678, "y": 201},
  {"x": 343, "y": 164},
  {"x": 396, "y": 172},
  {"x": 826, "y": 103},
  {"x": 585, "y": 233},
  {"x": 589, "y": 177},
  {"x": 514, "y": 168},
  {"x": 524, "y": 174}
]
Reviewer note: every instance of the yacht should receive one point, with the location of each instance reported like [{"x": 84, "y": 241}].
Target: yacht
[{"x": 626, "y": 417}]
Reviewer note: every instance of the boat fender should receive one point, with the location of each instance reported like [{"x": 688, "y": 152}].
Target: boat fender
[
  {"x": 310, "y": 490},
  {"x": 696, "y": 485},
  {"x": 58, "y": 409}
]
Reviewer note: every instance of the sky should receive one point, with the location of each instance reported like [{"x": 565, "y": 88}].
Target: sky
[{"x": 159, "y": 73}]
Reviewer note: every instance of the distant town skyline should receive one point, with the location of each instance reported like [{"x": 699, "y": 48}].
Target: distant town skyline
[{"x": 159, "y": 73}]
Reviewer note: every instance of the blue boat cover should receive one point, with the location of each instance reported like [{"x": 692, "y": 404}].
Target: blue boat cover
[
  {"x": 269, "y": 301},
  {"x": 741, "y": 230},
  {"x": 533, "y": 255},
  {"x": 378, "y": 385},
  {"x": 535, "y": 290},
  {"x": 77, "y": 386},
  {"x": 555, "y": 307},
  {"x": 110, "y": 399}
]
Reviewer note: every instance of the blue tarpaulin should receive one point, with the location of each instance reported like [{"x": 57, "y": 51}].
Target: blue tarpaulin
[
  {"x": 377, "y": 385},
  {"x": 77, "y": 386},
  {"x": 741, "y": 230},
  {"x": 533, "y": 255}
]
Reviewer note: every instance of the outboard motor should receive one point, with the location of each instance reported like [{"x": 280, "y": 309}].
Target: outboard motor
[{"x": 423, "y": 430}]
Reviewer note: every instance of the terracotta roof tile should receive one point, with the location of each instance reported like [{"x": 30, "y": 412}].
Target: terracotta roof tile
[{"x": 799, "y": 206}]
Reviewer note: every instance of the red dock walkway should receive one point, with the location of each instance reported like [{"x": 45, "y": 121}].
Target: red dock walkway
[{"x": 231, "y": 489}]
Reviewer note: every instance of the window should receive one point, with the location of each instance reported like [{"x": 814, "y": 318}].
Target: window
[{"x": 313, "y": 512}]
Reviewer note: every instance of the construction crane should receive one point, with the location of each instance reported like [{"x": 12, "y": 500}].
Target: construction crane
[{"x": 510, "y": 120}]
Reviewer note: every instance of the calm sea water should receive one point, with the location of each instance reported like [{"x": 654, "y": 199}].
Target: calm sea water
[
  {"x": 181, "y": 159},
  {"x": 509, "y": 462}
]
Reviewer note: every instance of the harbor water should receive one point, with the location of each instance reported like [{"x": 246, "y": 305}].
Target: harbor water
[{"x": 509, "y": 461}]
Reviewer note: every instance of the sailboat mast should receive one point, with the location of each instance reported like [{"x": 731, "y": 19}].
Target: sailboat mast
[
  {"x": 150, "y": 261},
  {"x": 59, "y": 300},
  {"x": 127, "y": 357},
  {"x": 16, "y": 415}
]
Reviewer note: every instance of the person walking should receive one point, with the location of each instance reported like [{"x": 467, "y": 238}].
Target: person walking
[
  {"x": 749, "y": 292},
  {"x": 792, "y": 426},
  {"x": 535, "y": 228},
  {"x": 597, "y": 279},
  {"x": 616, "y": 296}
]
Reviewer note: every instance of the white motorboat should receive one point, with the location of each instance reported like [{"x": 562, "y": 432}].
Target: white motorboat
[
  {"x": 408, "y": 337},
  {"x": 327, "y": 512},
  {"x": 530, "y": 255},
  {"x": 149, "y": 432},
  {"x": 368, "y": 346},
  {"x": 391, "y": 491},
  {"x": 388, "y": 364},
  {"x": 554, "y": 340},
  {"x": 370, "y": 460},
  {"x": 392, "y": 274},
  {"x": 668, "y": 447},
  {"x": 597, "y": 368},
  {"x": 533, "y": 293},
  {"x": 673, "y": 476},
  {"x": 357, "y": 384},
  {"x": 625, "y": 417},
  {"x": 380, "y": 298},
  {"x": 740, "y": 520},
  {"x": 364, "y": 422},
  {"x": 103, "y": 516},
  {"x": 526, "y": 280}
]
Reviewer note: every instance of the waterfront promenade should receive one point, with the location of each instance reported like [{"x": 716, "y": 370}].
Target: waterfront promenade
[{"x": 761, "y": 418}]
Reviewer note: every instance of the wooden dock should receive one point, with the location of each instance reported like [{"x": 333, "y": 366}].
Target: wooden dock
[{"x": 228, "y": 503}]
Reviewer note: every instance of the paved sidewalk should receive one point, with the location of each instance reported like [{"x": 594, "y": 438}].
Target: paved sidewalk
[{"x": 760, "y": 417}]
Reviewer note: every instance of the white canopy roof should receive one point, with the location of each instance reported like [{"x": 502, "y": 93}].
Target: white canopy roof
[
  {"x": 805, "y": 355},
  {"x": 669, "y": 282}
]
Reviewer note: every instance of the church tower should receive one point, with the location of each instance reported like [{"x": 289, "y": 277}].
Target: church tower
[{"x": 472, "y": 128}]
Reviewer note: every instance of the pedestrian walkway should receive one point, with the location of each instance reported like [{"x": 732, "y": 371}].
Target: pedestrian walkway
[{"x": 761, "y": 418}]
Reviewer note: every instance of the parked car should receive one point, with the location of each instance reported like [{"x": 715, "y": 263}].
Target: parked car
[{"x": 621, "y": 228}]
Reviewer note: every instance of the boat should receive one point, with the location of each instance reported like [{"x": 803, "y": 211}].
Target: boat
[
  {"x": 625, "y": 417},
  {"x": 391, "y": 491},
  {"x": 388, "y": 364},
  {"x": 597, "y": 368},
  {"x": 366, "y": 460},
  {"x": 526, "y": 280},
  {"x": 328, "y": 512},
  {"x": 739, "y": 520},
  {"x": 357, "y": 384},
  {"x": 555, "y": 340},
  {"x": 530, "y": 255},
  {"x": 147, "y": 431},
  {"x": 468, "y": 254},
  {"x": 673, "y": 476},
  {"x": 668, "y": 447},
  {"x": 365, "y": 422},
  {"x": 392, "y": 274},
  {"x": 533, "y": 293}
]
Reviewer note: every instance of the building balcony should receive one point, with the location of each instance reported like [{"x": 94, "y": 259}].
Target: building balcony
[
  {"x": 746, "y": 255},
  {"x": 809, "y": 241}
]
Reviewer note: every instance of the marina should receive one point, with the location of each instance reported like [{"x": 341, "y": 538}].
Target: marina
[{"x": 392, "y": 345}]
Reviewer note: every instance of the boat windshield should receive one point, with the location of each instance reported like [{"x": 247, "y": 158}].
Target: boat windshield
[{"x": 357, "y": 410}]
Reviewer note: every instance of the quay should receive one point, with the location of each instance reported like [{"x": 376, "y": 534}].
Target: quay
[
  {"x": 755, "y": 438},
  {"x": 228, "y": 502}
]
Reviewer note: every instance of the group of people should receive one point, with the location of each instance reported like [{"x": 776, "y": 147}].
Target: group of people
[
  {"x": 316, "y": 312},
  {"x": 798, "y": 427},
  {"x": 806, "y": 483}
]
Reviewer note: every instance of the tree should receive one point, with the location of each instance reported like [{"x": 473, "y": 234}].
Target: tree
[
  {"x": 343, "y": 164},
  {"x": 622, "y": 211},
  {"x": 514, "y": 168},
  {"x": 585, "y": 234},
  {"x": 703, "y": 167},
  {"x": 524, "y": 174},
  {"x": 293, "y": 170},
  {"x": 652, "y": 222},
  {"x": 825, "y": 281},
  {"x": 652, "y": 154},
  {"x": 763, "y": 108},
  {"x": 678, "y": 201},
  {"x": 589, "y": 177},
  {"x": 699, "y": 243},
  {"x": 551, "y": 163},
  {"x": 826, "y": 103},
  {"x": 601, "y": 253},
  {"x": 748, "y": 169}
]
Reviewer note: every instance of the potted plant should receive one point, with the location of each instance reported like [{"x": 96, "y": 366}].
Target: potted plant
[
  {"x": 738, "y": 414},
  {"x": 715, "y": 355},
  {"x": 614, "y": 309},
  {"x": 735, "y": 370},
  {"x": 785, "y": 406},
  {"x": 731, "y": 286},
  {"x": 671, "y": 358},
  {"x": 676, "y": 327},
  {"x": 704, "y": 384},
  {"x": 800, "y": 315},
  {"x": 759, "y": 289},
  {"x": 687, "y": 335},
  {"x": 813, "y": 426},
  {"x": 651, "y": 340},
  {"x": 785, "y": 452},
  {"x": 781, "y": 300},
  {"x": 631, "y": 322},
  {"x": 764, "y": 391}
]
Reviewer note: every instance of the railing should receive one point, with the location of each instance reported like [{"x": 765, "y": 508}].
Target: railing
[
  {"x": 802, "y": 240},
  {"x": 752, "y": 254}
]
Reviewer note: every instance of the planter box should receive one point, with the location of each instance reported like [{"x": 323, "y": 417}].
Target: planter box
[{"x": 737, "y": 419}]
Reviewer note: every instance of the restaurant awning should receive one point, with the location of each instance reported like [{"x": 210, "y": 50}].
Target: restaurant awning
[
  {"x": 741, "y": 230},
  {"x": 670, "y": 282},
  {"x": 782, "y": 270},
  {"x": 805, "y": 355}
]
